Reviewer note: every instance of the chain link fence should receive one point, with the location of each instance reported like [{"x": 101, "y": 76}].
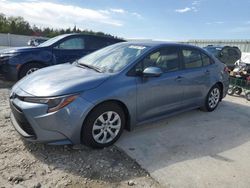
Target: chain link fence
[
  {"x": 243, "y": 45},
  {"x": 12, "y": 40}
]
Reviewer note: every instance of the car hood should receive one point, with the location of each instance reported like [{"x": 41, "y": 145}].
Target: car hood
[
  {"x": 60, "y": 80},
  {"x": 20, "y": 49}
]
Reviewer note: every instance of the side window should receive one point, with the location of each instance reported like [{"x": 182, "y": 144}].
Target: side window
[
  {"x": 167, "y": 59},
  {"x": 192, "y": 58},
  {"x": 206, "y": 60},
  {"x": 72, "y": 44},
  {"x": 148, "y": 61}
]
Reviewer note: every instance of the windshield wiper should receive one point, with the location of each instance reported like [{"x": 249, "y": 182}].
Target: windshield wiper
[{"x": 90, "y": 67}]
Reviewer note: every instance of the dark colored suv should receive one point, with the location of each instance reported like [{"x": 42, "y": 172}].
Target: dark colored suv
[{"x": 16, "y": 63}]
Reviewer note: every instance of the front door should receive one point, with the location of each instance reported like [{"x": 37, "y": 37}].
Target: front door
[
  {"x": 69, "y": 50},
  {"x": 157, "y": 96}
]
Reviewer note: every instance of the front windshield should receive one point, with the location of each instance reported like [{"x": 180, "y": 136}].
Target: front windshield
[
  {"x": 113, "y": 58},
  {"x": 51, "y": 41}
]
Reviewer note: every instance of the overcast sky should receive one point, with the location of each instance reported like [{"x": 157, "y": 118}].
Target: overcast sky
[{"x": 152, "y": 19}]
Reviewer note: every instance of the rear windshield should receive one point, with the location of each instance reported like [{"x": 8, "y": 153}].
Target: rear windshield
[{"x": 214, "y": 50}]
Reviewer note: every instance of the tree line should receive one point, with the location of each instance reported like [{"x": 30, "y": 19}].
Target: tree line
[{"x": 17, "y": 25}]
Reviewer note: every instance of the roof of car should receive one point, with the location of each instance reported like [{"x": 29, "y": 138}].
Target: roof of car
[
  {"x": 160, "y": 43},
  {"x": 214, "y": 46},
  {"x": 82, "y": 34}
]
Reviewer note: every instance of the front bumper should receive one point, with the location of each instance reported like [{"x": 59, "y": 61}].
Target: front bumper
[{"x": 32, "y": 121}]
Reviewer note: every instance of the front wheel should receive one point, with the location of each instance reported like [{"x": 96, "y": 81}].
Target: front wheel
[
  {"x": 212, "y": 99},
  {"x": 103, "y": 126}
]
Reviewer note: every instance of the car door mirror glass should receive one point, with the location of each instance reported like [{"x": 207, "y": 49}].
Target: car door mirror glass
[{"x": 152, "y": 72}]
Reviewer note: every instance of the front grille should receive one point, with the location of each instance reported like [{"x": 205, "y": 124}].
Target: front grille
[{"x": 21, "y": 119}]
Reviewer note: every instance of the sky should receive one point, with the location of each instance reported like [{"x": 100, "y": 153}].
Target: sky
[{"x": 175, "y": 20}]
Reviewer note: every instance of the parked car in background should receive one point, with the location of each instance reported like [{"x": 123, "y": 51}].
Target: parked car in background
[
  {"x": 123, "y": 85},
  {"x": 226, "y": 54},
  {"x": 15, "y": 63},
  {"x": 36, "y": 41}
]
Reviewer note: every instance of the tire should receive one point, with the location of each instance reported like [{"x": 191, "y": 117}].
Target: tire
[
  {"x": 29, "y": 68},
  {"x": 98, "y": 122},
  {"x": 238, "y": 91},
  {"x": 212, "y": 99},
  {"x": 247, "y": 96},
  {"x": 230, "y": 90}
]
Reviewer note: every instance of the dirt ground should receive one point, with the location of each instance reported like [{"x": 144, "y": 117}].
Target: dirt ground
[{"x": 24, "y": 164}]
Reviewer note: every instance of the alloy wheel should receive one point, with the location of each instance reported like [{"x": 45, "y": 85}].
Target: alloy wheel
[
  {"x": 31, "y": 70},
  {"x": 106, "y": 127},
  {"x": 214, "y": 98}
]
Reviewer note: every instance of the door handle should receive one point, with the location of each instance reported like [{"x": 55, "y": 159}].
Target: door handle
[
  {"x": 178, "y": 78},
  {"x": 207, "y": 72}
]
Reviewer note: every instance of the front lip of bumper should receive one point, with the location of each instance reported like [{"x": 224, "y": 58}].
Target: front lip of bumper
[
  {"x": 32, "y": 138},
  {"x": 19, "y": 129},
  {"x": 61, "y": 127}
]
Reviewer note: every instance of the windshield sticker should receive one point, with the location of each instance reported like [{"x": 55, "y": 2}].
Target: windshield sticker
[{"x": 137, "y": 47}]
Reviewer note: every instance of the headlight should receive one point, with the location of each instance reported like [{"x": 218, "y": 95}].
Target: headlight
[
  {"x": 6, "y": 56},
  {"x": 54, "y": 103}
]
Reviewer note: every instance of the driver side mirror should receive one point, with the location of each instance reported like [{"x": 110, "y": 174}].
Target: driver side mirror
[{"x": 152, "y": 72}]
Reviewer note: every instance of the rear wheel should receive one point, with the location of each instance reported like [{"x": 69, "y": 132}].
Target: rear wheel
[
  {"x": 103, "y": 126},
  {"x": 29, "y": 68},
  {"x": 213, "y": 98}
]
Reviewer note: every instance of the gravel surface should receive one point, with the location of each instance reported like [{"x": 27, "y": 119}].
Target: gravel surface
[{"x": 24, "y": 164}]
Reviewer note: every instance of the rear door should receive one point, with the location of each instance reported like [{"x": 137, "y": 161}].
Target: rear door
[
  {"x": 70, "y": 49},
  {"x": 197, "y": 70}
]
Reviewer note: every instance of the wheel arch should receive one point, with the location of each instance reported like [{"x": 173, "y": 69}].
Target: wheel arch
[
  {"x": 28, "y": 63},
  {"x": 220, "y": 84},
  {"x": 121, "y": 104}
]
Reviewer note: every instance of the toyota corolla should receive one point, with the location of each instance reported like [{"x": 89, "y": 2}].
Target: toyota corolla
[{"x": 118, "y": 87}]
